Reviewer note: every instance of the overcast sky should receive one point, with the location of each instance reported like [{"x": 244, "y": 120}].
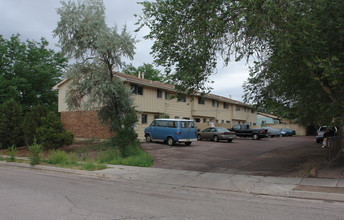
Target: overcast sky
[{"x": 34, "y": 19}]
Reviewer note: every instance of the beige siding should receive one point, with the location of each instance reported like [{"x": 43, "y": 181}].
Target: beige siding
[
  {"x": 62, "y": 105},
  {"x": 206, "y": 109},
  {"x": 224, "y": 114},
  {"x": 244, "y": 116},
  {"x": 178, "y": 109},
  {"x": 149, "y": 104}
]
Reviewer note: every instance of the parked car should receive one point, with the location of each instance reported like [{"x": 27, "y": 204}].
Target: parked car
[
  {"x": 216, "y": 134},
  {"x": 325, "y": 131},
  {"x": 242, "y": 130},
  {"x": 287, "y": 132},
  {"x": 272, "y": 132},
  {"x": 171, "y": 131}
]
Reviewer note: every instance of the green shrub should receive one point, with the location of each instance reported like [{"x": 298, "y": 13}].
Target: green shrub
[
  {"x": 62, "y": 158},
  {"x": 107, "y": 156},
  {"x": 51, "y": 134},
  {"x": 126, "y": 135},
  {"x": 11, "y": 116},
  {"x": 32, "y": 121},
  {"x": 12, "y": 152},
  {"x": 35, "y": 150}
]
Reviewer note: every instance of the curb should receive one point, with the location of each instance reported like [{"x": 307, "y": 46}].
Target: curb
[{"x": 317, "y": 195}]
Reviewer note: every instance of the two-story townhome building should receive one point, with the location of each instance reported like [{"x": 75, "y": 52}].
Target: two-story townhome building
[{"x": 153, "y": 99}]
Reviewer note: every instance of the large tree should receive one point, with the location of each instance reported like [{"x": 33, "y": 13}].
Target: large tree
[
  {"x": 28, "y": 72},
  {"x": 297, "y": 46},
  {"x": 97, "y": 50}
]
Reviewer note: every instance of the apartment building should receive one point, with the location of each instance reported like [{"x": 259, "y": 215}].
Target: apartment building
[{"x": 154, "y": 99}]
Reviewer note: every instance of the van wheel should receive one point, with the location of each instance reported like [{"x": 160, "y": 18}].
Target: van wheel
[
  {"x": 148, "y": 138},
  {"x": 170, "y": 141},
  {"x": 216, "y": 138},
  {"x": 188, "y": 143}
]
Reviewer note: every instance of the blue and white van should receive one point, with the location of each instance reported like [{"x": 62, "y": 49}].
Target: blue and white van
[{"x": 171, "y": 131}]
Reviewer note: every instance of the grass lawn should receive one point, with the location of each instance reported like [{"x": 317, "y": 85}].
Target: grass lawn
[{"x": 86, "y": 155}]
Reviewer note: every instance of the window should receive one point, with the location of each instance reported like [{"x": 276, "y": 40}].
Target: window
[
  {"x": 162, "y": 123},
  {"x": 136, "y": 89},
  {"x": 253, "y": 111},
  {"x": 237, "y": 108},
  {"x": 187, "y": 124},
  {"x": 204, "y": 120},
  {"x": 182, "y": 99},
  {"x": 197, "y": 120},
  {"x": 153, "y": 124},
  {"x": 206, "y": 130},
  {"x": 176, "y": 117},
  {"x": 217, "y": 121},
  {"x": 167, "y": 95},
  {"x": 159, "y": 93},
  {"x": 201, "y": 101},
  {"x": 228, "y": 122},
  {"x": 225, "y": 105},
  {"x": 172, "y": 124},
  {"x": 222, "y": 121},
  {"x": 213, "y": 103},
  {"x": 144, "y": 119}
]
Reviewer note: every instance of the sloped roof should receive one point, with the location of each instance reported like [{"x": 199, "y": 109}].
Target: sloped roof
[
  {"x": 269, "y": 115},
  {"x": 165, "y": 86}
]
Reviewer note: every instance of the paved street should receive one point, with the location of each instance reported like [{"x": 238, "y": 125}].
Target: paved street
[
  {"x": 30, "y": 194},
  {"x": 282, "y": 156}
]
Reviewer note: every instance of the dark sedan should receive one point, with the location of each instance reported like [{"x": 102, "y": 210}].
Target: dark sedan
[{"x": 216, "y": 134}]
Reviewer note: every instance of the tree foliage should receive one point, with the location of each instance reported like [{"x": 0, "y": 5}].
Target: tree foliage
[
  {"x": 147, "y": 69},
  {"x": 32, "y": 121},
  {"x": 11, "y": 115},
  {"x": 297, "y": 45},
  {"x": 51, "y": 134},
  {"x": 28, "y": 72},
  {"x": 97, "y": 49}
]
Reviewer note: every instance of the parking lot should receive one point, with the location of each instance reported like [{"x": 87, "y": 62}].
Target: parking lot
[{"x": 281, "y": 156}]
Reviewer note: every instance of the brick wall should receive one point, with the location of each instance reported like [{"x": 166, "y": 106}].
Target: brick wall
[{"x": 84, "y": 124}]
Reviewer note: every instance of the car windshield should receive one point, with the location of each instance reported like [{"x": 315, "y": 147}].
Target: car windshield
[{"x": 221, "y": 129}]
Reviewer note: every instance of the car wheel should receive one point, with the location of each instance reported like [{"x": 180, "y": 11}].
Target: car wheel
[
  {"x": 188, "y": 143},
  {"x": 216, "y": 138},
  {"x": 199, "y": 137},
  {"x": 170, "y": 141},
  {"x": 230, "y": 140},
  {"x": 255, "y": 137},
  {"x": 148, "y": 138}
]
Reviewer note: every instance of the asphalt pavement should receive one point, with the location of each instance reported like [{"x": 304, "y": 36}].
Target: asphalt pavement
[{"x": 298, "y": 187}]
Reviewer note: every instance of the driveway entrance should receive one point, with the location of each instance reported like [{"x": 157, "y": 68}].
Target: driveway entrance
[{"x": 284, "y": 156}]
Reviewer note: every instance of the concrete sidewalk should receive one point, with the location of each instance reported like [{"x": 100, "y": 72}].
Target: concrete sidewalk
[{"x": 305, "y": 188}]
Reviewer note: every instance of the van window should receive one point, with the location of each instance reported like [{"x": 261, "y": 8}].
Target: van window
[
  {"x": 172, "y": 124},
  {"x": 162, "y": 123},
  {"x": 153, "y": 124},
  {"x": 187, "y": 124}
]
